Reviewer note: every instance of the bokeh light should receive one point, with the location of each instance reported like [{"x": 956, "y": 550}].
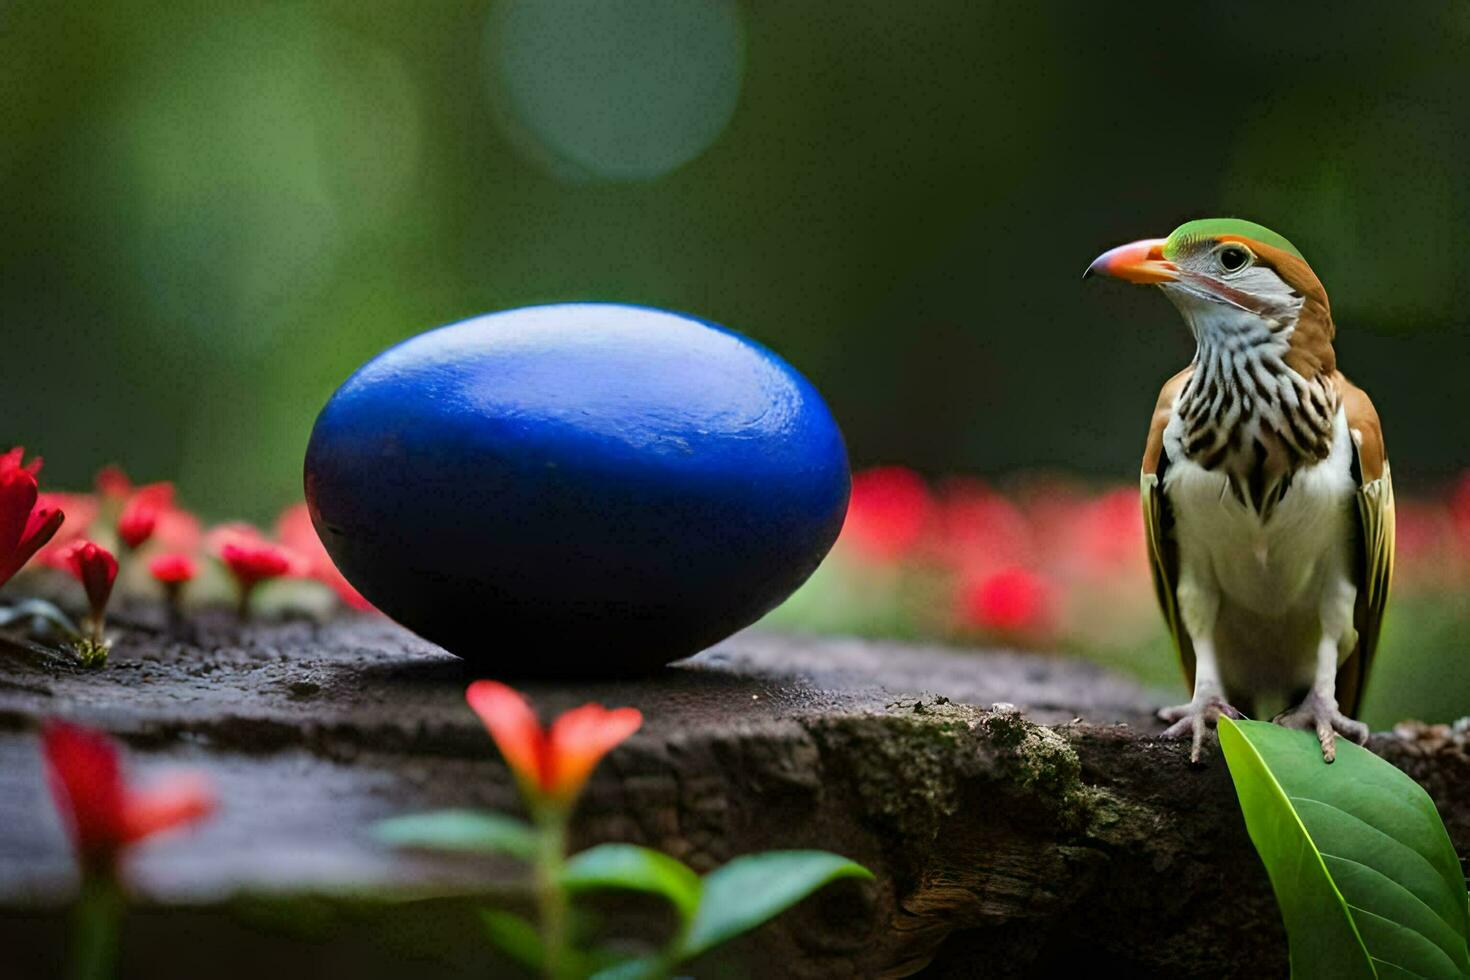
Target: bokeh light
[
  {"x": 254, "y": 152},
  {"x": 620, "y": 90}
]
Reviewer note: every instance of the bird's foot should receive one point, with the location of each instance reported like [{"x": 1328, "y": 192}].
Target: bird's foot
[
  {"x": 1193, "y": 718},
  {"x": 1319, "y": 713}
]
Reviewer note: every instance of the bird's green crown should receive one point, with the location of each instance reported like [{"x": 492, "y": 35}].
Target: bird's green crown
[{"x": 1210, "y": 229}]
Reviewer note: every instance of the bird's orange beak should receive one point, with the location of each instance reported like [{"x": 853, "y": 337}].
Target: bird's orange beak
[{"x": 1140, "y": 262}]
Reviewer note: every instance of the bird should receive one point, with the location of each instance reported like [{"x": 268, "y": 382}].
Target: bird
[{"x": 1267, "y": 498}]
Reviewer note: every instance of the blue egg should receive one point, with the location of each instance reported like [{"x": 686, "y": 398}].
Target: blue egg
[{"x": 578, "y": 489}]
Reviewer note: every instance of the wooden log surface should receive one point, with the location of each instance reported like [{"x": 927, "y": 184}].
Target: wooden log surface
[{"x": 1055, "y": 835}]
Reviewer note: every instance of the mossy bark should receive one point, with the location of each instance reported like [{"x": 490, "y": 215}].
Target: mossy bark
[{"x": 1055, "y": 832}]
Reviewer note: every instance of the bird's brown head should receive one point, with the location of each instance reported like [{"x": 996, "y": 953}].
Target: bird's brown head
[{"x": 1224, "y": 274}]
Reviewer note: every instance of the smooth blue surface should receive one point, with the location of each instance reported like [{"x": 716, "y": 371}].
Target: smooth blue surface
[{"x": 577, "y": 489}]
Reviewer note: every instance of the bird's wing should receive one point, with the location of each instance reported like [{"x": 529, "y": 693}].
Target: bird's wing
[
  {"x": 1158, "y": 522},
  {"x": 1374, "y": 572}
]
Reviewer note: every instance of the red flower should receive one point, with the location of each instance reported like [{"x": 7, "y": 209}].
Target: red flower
[
  {"x": 173, "y": 569},
  {"x": 96, "y": 568},
  {"x": 981, "y": 531},
  {"x": 1010, "y": 600},
  {"x": 251, "y": 559},
  {"x": 25, "y": 525},
  {"x": 296, "y": 532},
  {"x": 1458, "y": 508},
  {"x": 140, "y": 515},
  {"x": 112, "y": 483},
  {"x": 553, "y": 764},
  {"x": 14, "y": 459},
  {"x": 81, "y": 511},
  {"x": 888, "y": 513},
  {"x": 177, "y": 530},
  {"x": 1421, "y": 538},
  {"x": 253, "y": 562},
  {"x": 102, "y": 814}
]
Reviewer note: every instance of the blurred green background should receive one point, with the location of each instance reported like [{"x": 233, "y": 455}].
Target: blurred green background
[{"x": 212, "y": 213}]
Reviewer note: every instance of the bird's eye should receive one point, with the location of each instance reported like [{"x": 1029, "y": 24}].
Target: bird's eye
[{"x": 1233, "y": 258}]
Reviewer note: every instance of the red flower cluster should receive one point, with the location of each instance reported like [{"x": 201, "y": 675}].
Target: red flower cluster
[
  {"x": 103, "y": 815},
  {"x": 1053, "y": 563},
  {"x": 1024, "y": 566},
  {"x": 147, "y": 520}
]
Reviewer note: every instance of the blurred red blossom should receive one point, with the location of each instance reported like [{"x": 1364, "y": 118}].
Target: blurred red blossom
[
  {"x": 1010, "y": 600},
  {"x": 26, "y": 521},
  {"x": 80, "y": 510},
  {"x": 112, "y": 483},
  {"x": 102, "y": 814},
  {"x": 1458, "y": 508},
  {"x": 296, "y": 532},
  {"x": 1112, "y": 529},
  {"x": 888, "y": 513},
  {"x": 1090, "y": 534},
  {"x": 177, "y": 530},
  {"x": 1421, "y": 529},
  {"x": 231, "y": 532},
  {"x": 173, "y": 568},
  {"x": 253, "y": 562},
  {"x": 251, "y": 558},
  {"x": 140, "y": 515},
  {"x": 173, "y": 571},
  {"x": 980, "y": 530},
  {"x": 551, "y": 764}
]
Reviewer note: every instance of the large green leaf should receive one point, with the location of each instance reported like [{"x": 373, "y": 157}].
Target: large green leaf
[
  {"x": 637, "y": 868},
  {"x": 749, "y": 890},
  {"x": 460, "y": 830},
  {"x": 1364, "y": 872}
]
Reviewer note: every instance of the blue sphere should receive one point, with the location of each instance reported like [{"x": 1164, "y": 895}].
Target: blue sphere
[{"x": 577, "y": 489}]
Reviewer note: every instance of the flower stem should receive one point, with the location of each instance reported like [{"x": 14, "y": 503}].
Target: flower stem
[
  {"x": 94, "y": 928},
  {"x": 551, "y": 899},
  {"x": 173, "y": 594}
]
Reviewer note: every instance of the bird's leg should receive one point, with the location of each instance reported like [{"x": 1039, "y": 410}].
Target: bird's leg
[
  {"x": 1318, "y": 711},
  {"x": 1197, "y": 609}
]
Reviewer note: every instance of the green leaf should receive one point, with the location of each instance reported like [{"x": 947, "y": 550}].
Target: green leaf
[
  {"x": 636, "y": 868},
  {"x": 751, "y": 889},
  {"x": 460, "y": 830},
  {"x": 638, "y": 968},
  {"x": 39, "y": 610},
  {"x": 514, "y": 936},
  {"x": 1364, "y": 872}
]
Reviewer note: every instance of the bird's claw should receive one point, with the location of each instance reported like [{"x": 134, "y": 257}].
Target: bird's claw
[
  {"x": 1320, "y": 714},
  {"x": 1194, "y": 718}
]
